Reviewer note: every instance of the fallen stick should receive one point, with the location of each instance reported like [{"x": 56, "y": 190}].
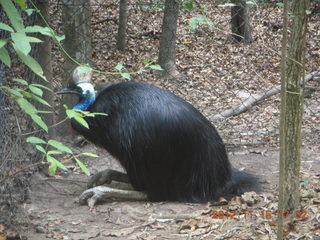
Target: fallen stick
[{"x": 252, "y": 100}]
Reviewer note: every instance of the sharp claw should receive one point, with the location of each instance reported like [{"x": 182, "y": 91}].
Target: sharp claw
[
  {"x": 85, "y": 196},
  {"x": 91, "y": 196},
  {"x": 91, "y": 202}
]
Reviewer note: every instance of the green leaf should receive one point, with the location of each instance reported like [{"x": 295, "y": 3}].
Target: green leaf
[
  {"x": 89, "y": 154},
  {"x": 81, "y": 121},
  {"x": 59, "y": 38},
  {"x": 34, "y": 40},
  {"x": 26, "y": 94},
  {"x": 53, "y": 152},
  {"x": 156, "y": 67},
  {"x": 197, "y": 20},
  {"x": 308, "y": 12},
  {"x": 44, "y": 112},
  {"x": 20, "y": 80},
  {"x": 85, "y": 69},
  {"x": 145, "y": 62},
  {"x": 70, "y": 113},
  {"x": 42, "y": 86},
  {"x": 12, "y": 14},
  {"x": 56, "y": 162},
  {"x": 126, "y": 75},
  {"x": 61, "y": 165},
  {"x": 119, "y": 67},
  {"x": 38, "y": 120},
  {"x": 251, "y": 3},
  {"x": 36, "y": 90},
  {"x": 187, "y": 6},
  {"x": 35, "y": 140},
  {"x": 29, "y": 11},
  {"x": 227, "y": 5},
  {"x": 59, "y": 146},
  {"x": 44, "y": 31},
  {"x": 53, "y": 166},
  {"x": 95, "y": 114},
  {"x": 30, "y": 62},
  {"x": 38, "y": 29},
  {"x": 83, "y": 167},
  {"x": 26, "y": 106},
  {"x": 21, "y": 3},
  {"x": 40, "y": 100},
  {"x": 13, "y": 92},
  {"x": 304, "y": 184},
  {"x": 3, "y": 42},
  {"x": 6, "y": 27},
  {"x": 4, "y": 57},
  {"x": 280, "y": 4},
  {"x": 41, "y": 149}
]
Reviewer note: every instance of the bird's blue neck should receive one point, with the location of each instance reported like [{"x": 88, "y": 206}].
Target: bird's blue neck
[
  {"x": 85, "y": 103},
  {"x": 87, "y": 96}
]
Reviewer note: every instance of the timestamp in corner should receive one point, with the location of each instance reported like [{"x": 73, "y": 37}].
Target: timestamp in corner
[{"x": 257, "y": 214}]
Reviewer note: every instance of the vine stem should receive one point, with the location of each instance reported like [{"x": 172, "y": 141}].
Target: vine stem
[{"x": 36, "y": 131}]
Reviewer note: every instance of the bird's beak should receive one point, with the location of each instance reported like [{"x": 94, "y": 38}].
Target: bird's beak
[{"x": 67, "y": 91}]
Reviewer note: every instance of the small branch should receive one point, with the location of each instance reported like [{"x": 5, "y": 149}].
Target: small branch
[
  {"x": 151, "y": 34},
  {"x": 201, "y": 66},
  {"x": 252, "y": 100},
  {"x": 106, "y": 20},
  {"x": 10, "y": 175}
]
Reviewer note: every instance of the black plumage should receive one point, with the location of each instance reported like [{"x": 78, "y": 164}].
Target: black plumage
[
  {"x": 167, "y": 147},
  {"x": 169, "y": 150}
]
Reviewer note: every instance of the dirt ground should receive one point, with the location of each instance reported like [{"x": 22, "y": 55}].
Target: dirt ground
[{"x": 52, "y": 213}]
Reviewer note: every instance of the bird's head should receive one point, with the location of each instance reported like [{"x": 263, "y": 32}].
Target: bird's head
[{"x": 80, "y": 85}]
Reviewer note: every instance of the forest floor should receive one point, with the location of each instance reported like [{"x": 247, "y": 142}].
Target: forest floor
[
  {"x": 215, "y": 75},
  {"x": 52, "y": 212}
]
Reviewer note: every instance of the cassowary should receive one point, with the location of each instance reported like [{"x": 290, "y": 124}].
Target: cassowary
[{"x": 169, "y": 150}]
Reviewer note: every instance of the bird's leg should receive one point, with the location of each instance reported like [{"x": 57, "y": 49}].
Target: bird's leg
[
  {"x": 93, "y": 195},
  {"x": 107, "y": 176}
]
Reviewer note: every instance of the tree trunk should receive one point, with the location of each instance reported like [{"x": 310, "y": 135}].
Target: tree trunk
[
  {"x": 76, "y": 19},
  {"x": 291, "y": 110},
  {"x": 123, "y": 16},
  {"x": 240, "y": 22},
  {"x": 44, "y": 59},
  {"x": 167, "y": 52}
]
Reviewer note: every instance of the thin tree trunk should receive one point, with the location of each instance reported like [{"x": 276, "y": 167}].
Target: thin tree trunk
[
  {"x": 291, "y": 111},
  {"x": 240, "y": 22},
  {"x": 122, "y": 28},
  {"x": 167, "y": 51},
  {"x": 76, "y": 19}
]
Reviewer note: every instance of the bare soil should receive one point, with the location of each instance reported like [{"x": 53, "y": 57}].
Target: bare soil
[{"x": 52, "y": 212}]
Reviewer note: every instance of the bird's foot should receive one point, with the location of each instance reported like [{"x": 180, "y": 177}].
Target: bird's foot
[{"x": 93, "y": 195}]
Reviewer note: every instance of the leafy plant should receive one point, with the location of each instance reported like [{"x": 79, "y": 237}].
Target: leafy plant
[
  {"x": 199, "y": 21},
  {"x": 78, "y": 115},
  {"x": 59, "y": 148},
  {"x": 20, "y": 41}
]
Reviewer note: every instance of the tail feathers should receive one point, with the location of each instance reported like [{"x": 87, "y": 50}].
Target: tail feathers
[{"x": 240, "y": 183}]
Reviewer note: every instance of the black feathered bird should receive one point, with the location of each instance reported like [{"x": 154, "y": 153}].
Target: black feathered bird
[{"x": 169, "y": 150}]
